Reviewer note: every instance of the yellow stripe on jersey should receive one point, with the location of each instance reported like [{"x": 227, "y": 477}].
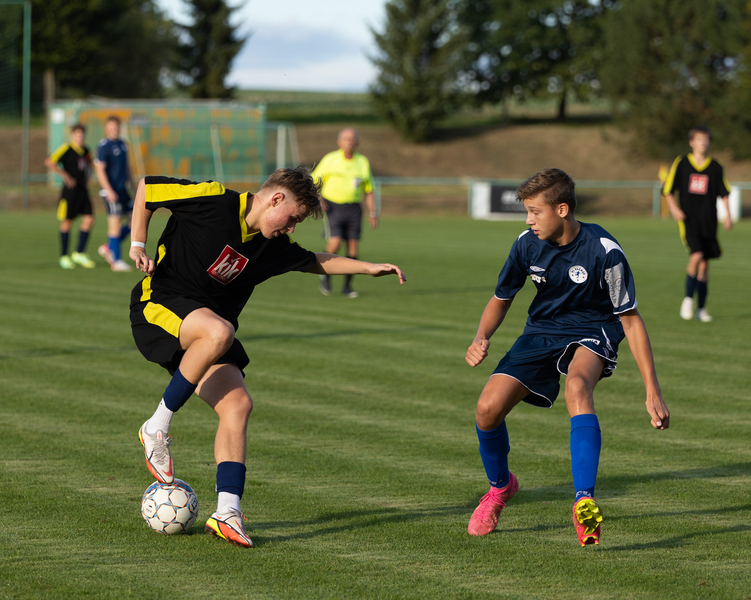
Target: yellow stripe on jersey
[
  {"x": 163, "y": 317},
  {"x": 671, "y": 177},
  {"x": 701, "y": 167},
  {"x": 58, "y": 154},
  {"x": 62, "y": 209},
  {"x": 243, "y": 223},
  {"x": 164, "y": 192},
  {"x": 146, "y": 283}
]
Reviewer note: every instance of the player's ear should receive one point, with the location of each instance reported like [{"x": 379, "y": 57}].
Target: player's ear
[
  {"x": 277, "y": 198},
  {"x": 563, "y": 210}
]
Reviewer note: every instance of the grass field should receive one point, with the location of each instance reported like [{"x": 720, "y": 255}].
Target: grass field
[{"x": 363, "y": 467}]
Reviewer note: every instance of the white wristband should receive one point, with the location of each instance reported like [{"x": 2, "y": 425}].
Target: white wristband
[
  {"x": 374, "y": 214},
  {"x": 138, "y": 245}
]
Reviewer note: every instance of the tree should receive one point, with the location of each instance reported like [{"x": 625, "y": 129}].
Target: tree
[
  {"x": 420, "y": 52},
  {"x": 675, "y": 64},
  {"x": 206, "y": 58},
  {"x": 550, "y": 48}
]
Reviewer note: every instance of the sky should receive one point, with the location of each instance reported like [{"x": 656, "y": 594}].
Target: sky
[{"x": 318, "y": 45}]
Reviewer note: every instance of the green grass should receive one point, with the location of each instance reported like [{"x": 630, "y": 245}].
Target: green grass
[{"x": 362, "y": 459}]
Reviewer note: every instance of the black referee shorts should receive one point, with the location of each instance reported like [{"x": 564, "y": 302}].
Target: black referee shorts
[
  {"x": 156, "y": 331},
  {"x": 344, "y": 220}
]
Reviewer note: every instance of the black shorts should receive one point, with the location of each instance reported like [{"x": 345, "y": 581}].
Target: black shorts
[
  {"x": 344, "y": 220},
  {"x": 156, "y": 330},
  {"x": 123, "y": 206},
  {"x": 74, "y": 202},
  {"x": 695, "y": 242}
]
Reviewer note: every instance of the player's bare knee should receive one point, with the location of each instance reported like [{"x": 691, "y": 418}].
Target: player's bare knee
[
  {"x": 488, "y": 413},
  {"x": 221, "y": 334}
]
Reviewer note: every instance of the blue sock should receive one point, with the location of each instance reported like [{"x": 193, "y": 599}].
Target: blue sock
[
  {"x": 114, "y": 246},
  {"x": 64, "y": 235},
  {"x": 124, "y": 232},
  {"x": 494, "y": 449},
  {"x": 230, "y": 477},
  {"x": 701, "y": 288},
  {"x": 690, "y": 286},
  {"x": 83, "y": 237},
  {"x": 178, "y": 391},
  {"x": 586, "y": 441}
]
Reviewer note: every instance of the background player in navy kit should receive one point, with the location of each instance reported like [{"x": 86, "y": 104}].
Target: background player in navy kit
[
  {"x": 699, "y": 181},
  {"x": 584, "y": 304},
  {"x": 113, "y": 173},
  {"x": 72, "y": 162},
  {"x": 217, "y": 246}
]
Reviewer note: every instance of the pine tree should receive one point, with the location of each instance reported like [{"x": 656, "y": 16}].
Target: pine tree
[
  {"x": 214, "y": 43},
  {"x": 420, "y": 52}
]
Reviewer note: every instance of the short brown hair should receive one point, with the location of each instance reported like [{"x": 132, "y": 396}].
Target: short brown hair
[
  {"x": 699, "y": 129},
  {"x": 555, "y": 186},
  {"x": 298, "y": 182},
  {"x": 77, "y": 127},
  {"x": 114, "y": 118}
]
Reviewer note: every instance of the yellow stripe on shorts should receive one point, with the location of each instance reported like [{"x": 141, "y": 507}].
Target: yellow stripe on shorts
[
  {"x": 163, "y": 317},
  {"x": 62, "y": 209}
]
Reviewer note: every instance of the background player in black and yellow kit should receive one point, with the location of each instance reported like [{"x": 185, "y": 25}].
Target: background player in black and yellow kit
[
  {"x": 217, "y": 246},
  {"x": 72, "y": 162},
  {"x": 699, "y": 181}
]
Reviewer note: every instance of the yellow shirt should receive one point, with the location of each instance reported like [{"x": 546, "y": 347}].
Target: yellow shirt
[{"x": 345, "y": 181}]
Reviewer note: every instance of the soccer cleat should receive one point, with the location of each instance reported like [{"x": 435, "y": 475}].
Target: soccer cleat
[
  {"x": 703, "y": 316},
  {"x": 587, "y": 520},
  {"x": 485, "y": 517},
  {"x": 158, "y": 457},
  {"x": 106, "y": 254},
  {"x": 347, "y": 293},
  {"x": 81, "y": 258},
  {"x": 66, "y": 262},
  {"x": 229, "y": 526},
  {"x": 121, "y": 266},
  {"x": 325, "y": 286},
  {"x": 687, "y": 309}
]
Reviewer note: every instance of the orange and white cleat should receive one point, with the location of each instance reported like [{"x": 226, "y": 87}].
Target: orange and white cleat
[
  {"x": 587, "y": 520},
  {"x": 158, "y": 457},
  {"x": 485, "y": 517},
  {"x": 229, "y": 526}
]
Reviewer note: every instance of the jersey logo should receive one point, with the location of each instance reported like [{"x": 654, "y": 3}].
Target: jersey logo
[
  {"x": 578, "y": 274},
  {"x": 228, "y": 266},
  {"x": 698, "y": 184}
]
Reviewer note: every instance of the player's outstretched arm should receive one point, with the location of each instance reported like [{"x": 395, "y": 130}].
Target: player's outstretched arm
[
  {"x": 491, "y": 319},
  {"x": 641, "y": 348},
  {"x": 333, "y": 264},
  {"x": 139, "y": 232}
]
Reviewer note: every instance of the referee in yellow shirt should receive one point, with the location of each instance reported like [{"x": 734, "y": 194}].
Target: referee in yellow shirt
[{"x": 346, "y": 180}]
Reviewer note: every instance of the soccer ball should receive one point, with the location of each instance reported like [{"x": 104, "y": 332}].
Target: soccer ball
[{"x": 169, "y": 507}]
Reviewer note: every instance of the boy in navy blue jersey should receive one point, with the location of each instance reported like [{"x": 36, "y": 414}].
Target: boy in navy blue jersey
[{"x": 585, "y": 304}]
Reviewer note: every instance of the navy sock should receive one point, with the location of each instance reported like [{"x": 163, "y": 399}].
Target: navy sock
[
  {"x": 586, "y": 441},
  {"x": 701, "y": 288},
  {"x": 494, "y": 449},
  {"x": 230, "y": 477},
  {"x": 690, "y": 286},
  {"x": 64, "y": 236},
  {"x": 124, "y": 232},
  {"x": 114, "y": 246},
  {"x": 83, "y": 238},
  {"x": 178, "y": 391}
]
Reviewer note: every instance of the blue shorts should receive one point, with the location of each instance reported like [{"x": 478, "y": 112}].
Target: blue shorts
[
  {"x": 538, "y": 361},
  {"x": 123, "y": 206}
]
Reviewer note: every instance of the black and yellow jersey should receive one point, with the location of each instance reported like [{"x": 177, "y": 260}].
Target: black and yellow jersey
[
  {"x": 698, "y": 188},
  {"x": 206, "y": 253},
  {"x": 75, "y": 161}
]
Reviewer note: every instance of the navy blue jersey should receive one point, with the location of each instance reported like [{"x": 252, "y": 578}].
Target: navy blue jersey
[
  {"x": 114, "y": 155},
  {"x": 581, "y": 287}
]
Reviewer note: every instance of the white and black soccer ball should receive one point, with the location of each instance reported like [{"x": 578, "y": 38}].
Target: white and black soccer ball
[{"x": 169, "y": 507}]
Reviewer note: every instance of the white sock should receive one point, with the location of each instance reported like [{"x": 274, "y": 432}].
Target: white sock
[
  {"x": 160, "y": 420},
  {"x": 227, "y": 501}
]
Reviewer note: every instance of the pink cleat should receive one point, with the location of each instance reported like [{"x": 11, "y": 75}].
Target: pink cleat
[
  {"x": 485, "y": 517},
  {"x": 587, "y": 519}
]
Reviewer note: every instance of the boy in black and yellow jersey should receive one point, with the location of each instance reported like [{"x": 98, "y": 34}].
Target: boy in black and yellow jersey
[
  {"x": 699, "y": 181},
  {"x": 72, "y": 162},
  {"x": 217, "y": 246}
]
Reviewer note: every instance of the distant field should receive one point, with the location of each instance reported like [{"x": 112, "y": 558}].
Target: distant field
[{"x": 362, "y": 462}]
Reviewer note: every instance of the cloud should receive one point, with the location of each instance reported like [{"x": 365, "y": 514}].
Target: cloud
[{"x": 294, "y": 56}]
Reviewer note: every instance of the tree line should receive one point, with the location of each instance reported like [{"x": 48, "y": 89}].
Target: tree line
[{"x": 665, "y": 64}]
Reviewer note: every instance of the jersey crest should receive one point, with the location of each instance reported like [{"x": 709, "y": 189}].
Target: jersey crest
[
  {"x": 578, "y": 274},
  {"x": 228, "y": 266}
]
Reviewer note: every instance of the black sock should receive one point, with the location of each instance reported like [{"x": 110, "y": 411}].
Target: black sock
[
  {"x": 83, "y": 238},
  {"x": 64, "y": 235},
  {"x": 701, "y": 288},
  {"x": 690, "y": 286}
]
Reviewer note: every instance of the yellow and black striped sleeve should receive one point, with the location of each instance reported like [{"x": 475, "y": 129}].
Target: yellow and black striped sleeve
[
  {"x": 165, "y": 191},
  {"x": 58, "y": 154},
  {"x": 724, "y": 179},
  {"x": 670, "y": 181}
]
